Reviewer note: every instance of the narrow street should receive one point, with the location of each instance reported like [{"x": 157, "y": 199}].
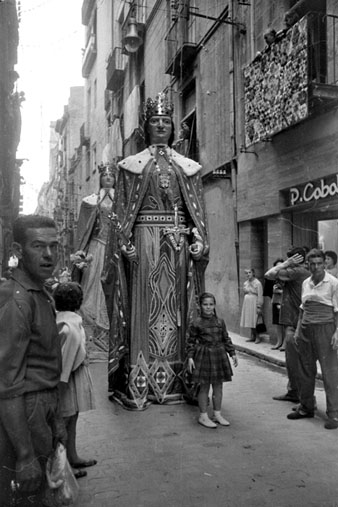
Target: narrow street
[{"x": 162, "y": 457}]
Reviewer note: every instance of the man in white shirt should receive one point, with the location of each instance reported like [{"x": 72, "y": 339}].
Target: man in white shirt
[{"x": 317, "y": 339}]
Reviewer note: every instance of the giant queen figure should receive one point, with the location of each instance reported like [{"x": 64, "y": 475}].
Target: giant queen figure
[
  {"x": 158, "y": 266},
  {"x": 92, "y": 234}
]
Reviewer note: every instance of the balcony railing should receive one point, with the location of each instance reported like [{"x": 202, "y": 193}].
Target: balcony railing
[
  {"x": 291, "y": 78},
  {"x": 180, "y": 48},
  {"x": 89, "y": 56},
  {"x": 115, "y": 69}
]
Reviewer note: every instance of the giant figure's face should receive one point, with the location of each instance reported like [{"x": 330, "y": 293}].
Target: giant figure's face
[
  {"x": 159, "y": 128},
  {"x": 107, "y": 180}
]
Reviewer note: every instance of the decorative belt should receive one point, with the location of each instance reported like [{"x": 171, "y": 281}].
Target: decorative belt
[{"x": 160, "y": 218}]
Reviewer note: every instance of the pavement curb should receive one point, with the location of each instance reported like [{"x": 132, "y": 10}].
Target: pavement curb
[
  {"x": 260, "y": 355},
  {"x": 262, "y": 351}
]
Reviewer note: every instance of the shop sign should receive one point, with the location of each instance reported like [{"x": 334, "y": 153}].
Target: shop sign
[{"x": 313, "y": 190}]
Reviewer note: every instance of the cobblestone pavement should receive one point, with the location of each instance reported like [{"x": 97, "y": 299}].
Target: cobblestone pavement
[{"x": 163, "y": 458}]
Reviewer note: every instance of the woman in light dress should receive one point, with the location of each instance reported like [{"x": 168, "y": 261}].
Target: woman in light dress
[{"x": 252, "y": 304}]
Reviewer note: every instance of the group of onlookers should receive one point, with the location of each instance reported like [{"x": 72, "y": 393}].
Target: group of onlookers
[{"x": 305, "y": 292}]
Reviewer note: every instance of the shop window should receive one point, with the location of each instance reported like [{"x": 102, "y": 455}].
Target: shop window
[
  {"x": 328, "y": 235},
  {"x": 304, "y": 230}
]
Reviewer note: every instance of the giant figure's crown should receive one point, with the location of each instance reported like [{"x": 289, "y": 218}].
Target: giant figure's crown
[
  {"x": 106, "y": 169},
  {"x": 160, "y": 106}
]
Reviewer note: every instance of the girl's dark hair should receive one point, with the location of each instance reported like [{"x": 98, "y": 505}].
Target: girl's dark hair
[
  {"x": 332, "y": 255},
  {"x": 68, "y": 296},
  {"x": 297, "y": 250},
  {"x": 147, "y": 137},
  {"x": 206, "y": 295}
]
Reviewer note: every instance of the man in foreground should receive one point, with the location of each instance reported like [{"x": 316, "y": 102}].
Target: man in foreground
[
  {"x": 317, "y": 339},
  {"x": 30, "y": 363}
]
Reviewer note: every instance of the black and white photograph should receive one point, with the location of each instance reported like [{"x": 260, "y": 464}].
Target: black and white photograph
[{"x": 168, "y": 253}]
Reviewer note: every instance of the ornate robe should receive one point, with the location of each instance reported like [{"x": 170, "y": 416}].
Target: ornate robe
[{"x": 155, "y": 298}]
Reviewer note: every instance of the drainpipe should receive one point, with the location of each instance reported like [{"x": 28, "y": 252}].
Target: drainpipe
[
  {"x": 252, "y": 29},
  {"x": 233, "y": 124}
]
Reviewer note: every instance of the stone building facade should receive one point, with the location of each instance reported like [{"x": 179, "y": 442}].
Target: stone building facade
[
  {"x": 60, "y": 197},
  {"x": 10, "y": 128}
]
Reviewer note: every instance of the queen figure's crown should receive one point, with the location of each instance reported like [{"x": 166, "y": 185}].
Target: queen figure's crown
[
  {"x": 106, "y": 169},
  {"x": 160, "y": 106}
]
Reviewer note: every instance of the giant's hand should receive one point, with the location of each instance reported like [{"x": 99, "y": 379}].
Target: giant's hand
[
  {"x": 196, "y": 250},
  {"x": 28, "y": 474},
  {"x": 130, "y": 253},
  {"x": 191, "y": 364}
]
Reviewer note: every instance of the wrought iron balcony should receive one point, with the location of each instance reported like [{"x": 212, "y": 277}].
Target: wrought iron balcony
[
  {"x": 293, "y": 78},
  {"x": 180, "y": 49},
  {"x": 115, "y": 69},
  {"x": 89, "y": 56}
]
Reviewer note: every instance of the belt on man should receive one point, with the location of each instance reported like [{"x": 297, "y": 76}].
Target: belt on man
[{"x": 160, "y": 218}]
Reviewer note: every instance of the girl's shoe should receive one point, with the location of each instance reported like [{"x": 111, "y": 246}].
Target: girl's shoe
[
  {"x": 220, "y": 419},
  {"x": 205, "y": 421}
]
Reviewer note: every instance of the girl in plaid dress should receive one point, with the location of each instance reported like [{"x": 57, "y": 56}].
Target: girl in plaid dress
[{"x": 208, "y": 346}]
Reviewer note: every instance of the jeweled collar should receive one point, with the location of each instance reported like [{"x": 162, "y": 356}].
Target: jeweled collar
[{"x": 136, "y": 163}]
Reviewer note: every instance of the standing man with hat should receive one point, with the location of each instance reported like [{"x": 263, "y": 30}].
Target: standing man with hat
[{"x": 164, "y": 250}]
